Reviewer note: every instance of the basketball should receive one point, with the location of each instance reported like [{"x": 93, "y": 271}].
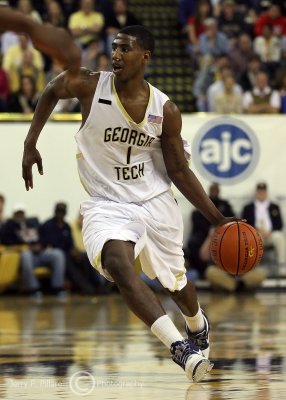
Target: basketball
[{"x": 236, "y": 247}]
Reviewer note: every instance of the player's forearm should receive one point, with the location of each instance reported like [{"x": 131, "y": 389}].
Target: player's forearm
[
  {"x": 190, "y": 187},
  {"x": 45, "y": 106}
]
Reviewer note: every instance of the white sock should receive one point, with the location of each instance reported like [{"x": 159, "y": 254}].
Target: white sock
[
  {"x": 195, "y": 323},
  {"x": 166, "y": 331}
]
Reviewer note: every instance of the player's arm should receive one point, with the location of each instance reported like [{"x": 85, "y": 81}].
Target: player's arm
[
  {"x": 178, "y": 169},
  {"x": 56, "y": 42},
  {"x": 59, "y": 88}
]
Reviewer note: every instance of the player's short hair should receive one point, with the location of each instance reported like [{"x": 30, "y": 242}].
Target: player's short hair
[{"x": 144, "y": 37}]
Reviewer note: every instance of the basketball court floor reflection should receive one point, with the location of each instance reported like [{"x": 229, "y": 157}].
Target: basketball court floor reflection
[{"x": 95, "y": 348}]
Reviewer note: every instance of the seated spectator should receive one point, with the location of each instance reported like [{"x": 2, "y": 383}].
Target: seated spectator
[
  {"x": 2, "y": 205},
  {"x": 273, "y": 17},
  {"x": 27, "y": 68},
  {"x": 119, "y": 18},
  {"x": 248, "y": 78},
  {"x": 241, "y": 55},
  {"x": 218, "y": 87},
  {"x": 268, "y": 47},
  {"x": 14, "y": 57},
  {"x": 262, "y": 99},
  {"x": 89, "y": 54},
  {"x": 26, "y": 99},
  {"x": 230, "y": 23},
  {"x": 207, "y": 76},
  {"x": 200, "y": 227},
  {"x": 86, "y": 24},
  {"x": 266, "y": 217},
  {"x": 102, "y": 62},
  {"x": 54, "y": 14},
  {"x": 56, "y": 233},
  {"x": 17, "y": 232},
  {"x": 26, "y": 7},
  {"x": 195, "y": 26},
  {"x": 227, "y": 101},
  {"x": 221, "y": 280},
  {"x": 4, "y": 88},
  {"x": 212, "y": 41},
  {"x": 281, "y": 86}
]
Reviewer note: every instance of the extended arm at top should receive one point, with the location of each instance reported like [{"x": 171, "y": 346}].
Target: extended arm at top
[{"x": 56, "y": 42}]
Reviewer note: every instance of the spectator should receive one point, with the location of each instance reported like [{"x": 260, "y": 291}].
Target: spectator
[
  {"x": 26, "y": 99},
  {"x": 102, "y": 62},
  {"x": 206, "y": 76},
  {"x": 14, "y": 58},
  {"x": 268, "y": 47},
  {"x": 265, "y": 216},
  {"x": 200, "y": 230},
  {"x": 119, "y": 18},
  {"x": 54, "y": 14},
  {"x": 241, "y": 55},
  {"x": 86, "y": 24},
  {"x": 195, "y": 26},
  {"x": 17, "y": 231},
  {"x": 89, "y": 54},
  {"x": 2, "y": 205},
  {"x": 27, "y": 68},
  {"x": 262, "y": 99},
  {"x": 281, "y": 85},
  {"x": 227, "y": 101},
  {"x": 4, "y": 88},
  {"x": 221, "y": 280},
  {"x": 218, "y": 87},
  {"x": 56, "y": 233},
  {"x": 26, "y": 7},
  {"x": 248, "y": 78},
  {"x": 212, "y": 41},
  {"x": 230, "y": 23},
  {"x": 274, "y": 18}
]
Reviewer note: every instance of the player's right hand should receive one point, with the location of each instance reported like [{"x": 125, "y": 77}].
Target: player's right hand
[{"x": 31, "y": 156}]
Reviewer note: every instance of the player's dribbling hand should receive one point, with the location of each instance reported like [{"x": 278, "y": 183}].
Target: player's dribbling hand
[{"x": 31, "y": 156}]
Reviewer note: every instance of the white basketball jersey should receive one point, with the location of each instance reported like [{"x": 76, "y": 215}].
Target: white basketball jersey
[{"x": 117, "y": 158}]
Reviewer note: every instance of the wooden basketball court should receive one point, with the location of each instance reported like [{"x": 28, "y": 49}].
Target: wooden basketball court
[{"x": 95, "y": 348}]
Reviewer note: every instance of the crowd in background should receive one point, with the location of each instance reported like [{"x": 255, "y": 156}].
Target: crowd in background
[{"x": 237, "y": 50}]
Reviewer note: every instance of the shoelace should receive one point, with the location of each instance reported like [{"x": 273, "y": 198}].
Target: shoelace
[{"x": 182, "y": 353}]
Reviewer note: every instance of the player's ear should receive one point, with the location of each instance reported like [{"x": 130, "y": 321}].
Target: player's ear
[{"x": 147, "y": 55}]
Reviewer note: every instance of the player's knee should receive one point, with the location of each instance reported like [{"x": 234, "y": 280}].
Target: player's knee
[{"x": 119, "y": 269}]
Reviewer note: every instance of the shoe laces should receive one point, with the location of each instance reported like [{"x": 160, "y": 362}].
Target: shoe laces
[{"x": 182, "y": 350}]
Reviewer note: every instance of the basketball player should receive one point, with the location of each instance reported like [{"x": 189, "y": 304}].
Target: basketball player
[
  {"x": 55, "y": 42},
  {"x": 129, "y": 151}
]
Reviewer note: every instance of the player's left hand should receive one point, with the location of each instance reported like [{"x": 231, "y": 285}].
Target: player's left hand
[{"x": 31, "y": 156}]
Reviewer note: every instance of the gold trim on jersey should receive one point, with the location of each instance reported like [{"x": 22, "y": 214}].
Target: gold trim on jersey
[{"x": 124, "y": 112}]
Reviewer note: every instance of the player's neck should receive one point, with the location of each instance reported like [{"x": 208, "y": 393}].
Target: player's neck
[{"x": 130, "y": 88}]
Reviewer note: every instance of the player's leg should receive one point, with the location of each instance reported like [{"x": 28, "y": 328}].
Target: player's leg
[
  {"x": 118, "y": 259},
  {"x": 197, "y": 325}
]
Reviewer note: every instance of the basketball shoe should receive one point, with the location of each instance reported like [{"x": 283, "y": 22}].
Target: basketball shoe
[
  {"x": 201, "y": 339},
  {"x": 190, "y": 358}
]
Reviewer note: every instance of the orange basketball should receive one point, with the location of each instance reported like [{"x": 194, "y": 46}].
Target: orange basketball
[{"x": 236, "y": 247}]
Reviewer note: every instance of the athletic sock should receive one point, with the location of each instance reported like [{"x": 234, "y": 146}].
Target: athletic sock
[
  {"x": 195, "y": 323},
  {"x": 166, "y": 331}
]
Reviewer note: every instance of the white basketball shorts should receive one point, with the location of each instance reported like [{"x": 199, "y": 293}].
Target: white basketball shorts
[{"x": 155, "y": 226}]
